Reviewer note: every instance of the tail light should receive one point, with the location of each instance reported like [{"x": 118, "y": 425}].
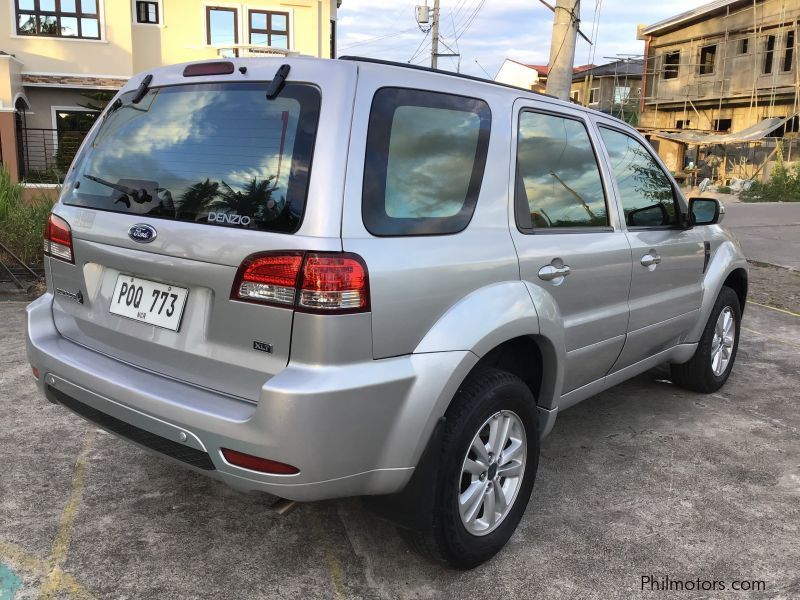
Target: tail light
[
  {"x": 255, "y": 463},
  {"x": 315, "y": 282},
  {"x": 58, "y": 239}
]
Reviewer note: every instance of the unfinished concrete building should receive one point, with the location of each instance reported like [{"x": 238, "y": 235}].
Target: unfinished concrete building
[{"x": 722, "y": 80}]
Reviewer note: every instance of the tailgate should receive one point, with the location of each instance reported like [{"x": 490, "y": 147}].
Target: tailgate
[{"x": 220, "y": 344}]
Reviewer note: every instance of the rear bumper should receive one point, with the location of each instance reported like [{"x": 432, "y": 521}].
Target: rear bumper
[{"x": 353, "y": 429}]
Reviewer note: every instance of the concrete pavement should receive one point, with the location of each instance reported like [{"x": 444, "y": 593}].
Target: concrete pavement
[
  {"x": 643, "y": 480},
  {"x": 769, "y": 231}
]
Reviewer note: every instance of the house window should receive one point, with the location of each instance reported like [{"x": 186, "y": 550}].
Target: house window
[
  {"x": 147, "y": 12},
  {"x": 222, "y": 26},
  {"x": 269, "y": 28},
  {"x": 576, "y": 95},
  {"x": 58, "y": 18},
  {"x": 682, "y": 124},
  {"x": 621, "y": 94},
  {"x": 788, "y": 57},
  {"x": 708, "y": 55},
  {"x": 768, "y": 54},
  {"x": 672, "y": 60},
  {"x": 723, "y": 125},
  {"x": 744, "y": 45},
  {"x": 594, "y": 95}
]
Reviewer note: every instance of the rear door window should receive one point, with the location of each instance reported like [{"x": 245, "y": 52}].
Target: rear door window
[
  {"x": 425, "y": 157},
  {"x": 217, "y": 153}
]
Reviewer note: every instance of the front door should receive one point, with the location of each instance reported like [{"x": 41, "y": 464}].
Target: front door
[
  {"x": 666, "y": 285},
  {"x": 570, "y": 244}
]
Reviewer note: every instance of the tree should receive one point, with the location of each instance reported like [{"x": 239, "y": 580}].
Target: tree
[
  {"x": 196, "y": 199},
  {"x": 255, "y": 201}
]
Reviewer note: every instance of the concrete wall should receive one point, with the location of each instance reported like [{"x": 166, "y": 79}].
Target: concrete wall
[
  {"x": 735, "y": 73},
  {"x": 126, "y": 47},
  {"x": 606, "y": 87},
  {"x": 182, "y": 35},
  {"x": 514, "y": 73},
  {"x": 111, "y": 55},
  {"x": 42, "y": 101}
]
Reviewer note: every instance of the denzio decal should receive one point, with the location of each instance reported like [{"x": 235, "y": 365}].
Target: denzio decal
[{"x": 229, "y": 219}]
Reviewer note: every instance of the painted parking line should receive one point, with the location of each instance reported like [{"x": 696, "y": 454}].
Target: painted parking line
[
  {"x": 24, "y": 561},
  {"x": 54, "y": 580},
  {"x": 9, "y": 583},
  {"x": 780, "y": 310}
]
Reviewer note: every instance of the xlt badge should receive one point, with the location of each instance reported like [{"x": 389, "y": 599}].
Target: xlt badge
[{"x": 262, "y": 346}]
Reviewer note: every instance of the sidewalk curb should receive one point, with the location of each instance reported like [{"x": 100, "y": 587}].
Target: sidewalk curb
[{"x": 759, "y": 263}]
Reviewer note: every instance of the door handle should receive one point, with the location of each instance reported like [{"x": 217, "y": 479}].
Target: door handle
[
  {"x": 553, "y": 273},
  {"x": 650, "y": 260}
]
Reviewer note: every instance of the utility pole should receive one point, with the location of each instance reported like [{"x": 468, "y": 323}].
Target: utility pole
[
  {"x": 566, "y": 19},
  {"x": 435, "y": 35}
]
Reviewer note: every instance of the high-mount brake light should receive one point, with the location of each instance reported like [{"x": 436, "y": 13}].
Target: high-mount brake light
[
  {"x": 210, "y": 68},
  {"x": 58, "y": 239},
  {"x": 313, "y": 282}
]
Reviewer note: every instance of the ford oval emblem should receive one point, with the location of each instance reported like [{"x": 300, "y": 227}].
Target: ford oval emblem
[{"x": 142, "y": 233}]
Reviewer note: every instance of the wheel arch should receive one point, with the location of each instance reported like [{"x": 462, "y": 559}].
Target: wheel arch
[
  {"x": 737, "y": 280},
  {"x": 727, "y": 267}
]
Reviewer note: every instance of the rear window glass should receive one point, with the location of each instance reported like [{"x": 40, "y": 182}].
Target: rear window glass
[
  {"x": 425, "y": 158},
  {"x": 208, "y": 153}
]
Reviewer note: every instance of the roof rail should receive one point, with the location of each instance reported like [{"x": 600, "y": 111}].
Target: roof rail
[{"x": 440, "y": 72}]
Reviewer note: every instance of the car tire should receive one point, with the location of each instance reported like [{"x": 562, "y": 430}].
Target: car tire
[
  {"x": 487, "y": 404},
  {"x": 702, "y": 373}
]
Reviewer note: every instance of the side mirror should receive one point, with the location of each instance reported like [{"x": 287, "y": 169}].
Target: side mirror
[
  {"x": 705, "y": 211},
  {"x": 649, "y": 216}
]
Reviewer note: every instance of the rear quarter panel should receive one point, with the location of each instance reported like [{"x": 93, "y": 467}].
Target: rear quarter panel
[{"x": 415, "y": 280}]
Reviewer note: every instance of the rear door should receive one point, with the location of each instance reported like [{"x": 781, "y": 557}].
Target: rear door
[
  {"x": 666, "y": 286},
  {"x": 568, "y": 238},
  {"x": 169, "y": 197}
]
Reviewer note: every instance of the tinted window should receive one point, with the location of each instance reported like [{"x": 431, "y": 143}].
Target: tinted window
[
  {"x": 558, "y": 180},
  {"x": 645, "y": 191},
  {"x": 209, "y": 153},
  {"x": 424, "y": 163}
]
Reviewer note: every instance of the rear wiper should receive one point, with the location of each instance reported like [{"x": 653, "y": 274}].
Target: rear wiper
[
  {"x": 142, "y": 89},
  {"x": 139, "y": 196},
  {"x": 277, "y": 83}
]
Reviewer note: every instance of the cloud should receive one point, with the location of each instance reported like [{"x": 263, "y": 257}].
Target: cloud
[{"x": 518, "y": 29}]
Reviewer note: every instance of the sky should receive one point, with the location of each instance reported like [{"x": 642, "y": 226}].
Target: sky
[{"x": 517, "y": 29}]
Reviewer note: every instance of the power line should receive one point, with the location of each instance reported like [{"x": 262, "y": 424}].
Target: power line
[
  {"x": 417, "y": 51},
  {"x": 378, "y": 38},
  {"x": 471, "y": 19}
]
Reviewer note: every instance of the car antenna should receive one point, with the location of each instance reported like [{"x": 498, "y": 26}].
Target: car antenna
[
  {"x": 142, "y": 89},
  {"x": 277, "y": 83}
]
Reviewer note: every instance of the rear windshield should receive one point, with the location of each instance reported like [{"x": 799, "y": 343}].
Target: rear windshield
[{"x": 220, "y": 154}]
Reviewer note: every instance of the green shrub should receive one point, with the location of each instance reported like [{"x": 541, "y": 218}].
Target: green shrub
[
  {"x": 22, "y": 222},
  {"x": 783, "y": 186},
  {"x": 723, "y": 189}
]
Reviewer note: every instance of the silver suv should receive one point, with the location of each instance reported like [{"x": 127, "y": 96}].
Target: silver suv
[{"x": 325, "y": 278}]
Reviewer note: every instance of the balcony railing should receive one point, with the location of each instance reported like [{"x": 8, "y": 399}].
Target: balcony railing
[
  {"x": 251, "y": 51},
  {"x": 46, "y": 154}
]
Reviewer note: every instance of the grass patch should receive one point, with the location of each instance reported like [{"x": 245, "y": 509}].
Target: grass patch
[
  {"x": 22, "y": 222},
  {"x": 723, "y": 189},
  {"x": 783, "y": 186}
]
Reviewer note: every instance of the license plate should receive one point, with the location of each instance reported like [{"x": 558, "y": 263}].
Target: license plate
[{"x": 158, "y": 304}]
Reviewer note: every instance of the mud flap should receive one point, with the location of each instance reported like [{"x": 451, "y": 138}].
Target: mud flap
[{"x": 412, "y": 508}]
